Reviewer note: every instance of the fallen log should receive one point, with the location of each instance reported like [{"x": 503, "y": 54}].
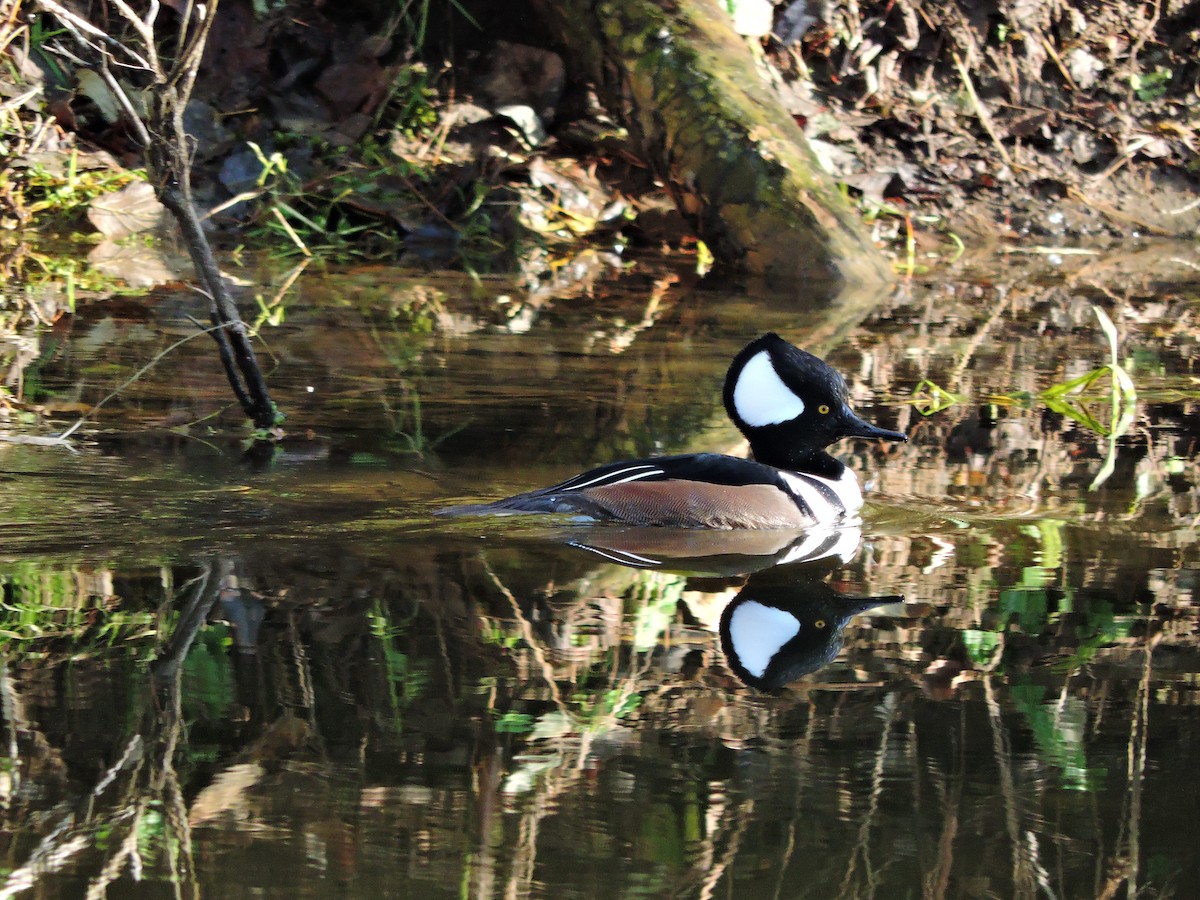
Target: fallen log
[{"x": 718, "y": 136}]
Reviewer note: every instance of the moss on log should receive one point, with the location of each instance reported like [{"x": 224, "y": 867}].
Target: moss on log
[{"x": 739, "y": 166}]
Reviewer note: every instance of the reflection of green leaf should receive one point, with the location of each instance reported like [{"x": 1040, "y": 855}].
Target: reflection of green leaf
[
  {"x": 514, "y": 723},
  {"x": 1069, "y": 399},
  {"x": 404, "y": 680},
  {"x": 1074, "y": 386},
  {"x": 208, "y": 673},
  {"x": 1029, "y": 605},
  {"x": 929, "y": 398},
  {"x": 622, "y": 703},
  {"x": 661, "y": 838},
  {"x": 660, "y": 594},
  {"x": 980, "y": 645},
  {"x": 1058, "y": 730},
  {"x": 1102, "y": 629}
]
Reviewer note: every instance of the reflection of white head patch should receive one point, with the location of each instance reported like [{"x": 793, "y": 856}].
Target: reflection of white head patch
[
  {"x": 757, "y": 632},
  {"x": 760, "y": 396}
]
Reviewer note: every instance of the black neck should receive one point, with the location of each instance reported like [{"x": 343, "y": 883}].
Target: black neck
[{"x": 797, "y": 459}]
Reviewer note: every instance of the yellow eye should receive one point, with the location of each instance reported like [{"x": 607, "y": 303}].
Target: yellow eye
[
  {"x": 823, "y": 409},
  {"x": 820, "y": 623}
]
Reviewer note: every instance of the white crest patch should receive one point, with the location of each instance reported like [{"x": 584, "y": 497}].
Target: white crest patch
[
  {"x": 760, "y": 396},
  {"x": 757, "y": 632}
]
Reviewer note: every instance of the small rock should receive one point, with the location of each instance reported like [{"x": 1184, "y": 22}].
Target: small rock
[
  {"x": 1084, "y": 67},
  {"x": 753, "y": 18},
  {"x": 526, "y": 121},
  {"x": 794, "y": 22},
  {"x": 518, "y": 75},
  {"x": 209, "y": 135}
]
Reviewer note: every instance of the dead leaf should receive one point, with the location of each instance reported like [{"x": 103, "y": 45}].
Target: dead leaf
[{"x": 131, "y": 210}]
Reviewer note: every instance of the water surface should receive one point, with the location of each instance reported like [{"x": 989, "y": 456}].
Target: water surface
[{"x": 288, "y": 678}]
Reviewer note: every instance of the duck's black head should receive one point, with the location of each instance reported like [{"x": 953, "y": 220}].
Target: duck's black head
[{"x": 791, "y": 405}]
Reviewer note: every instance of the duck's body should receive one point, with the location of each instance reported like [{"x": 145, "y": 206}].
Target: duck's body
[
  {"x": 789, "y": 404},
  {"x": 694, "y": 490}
]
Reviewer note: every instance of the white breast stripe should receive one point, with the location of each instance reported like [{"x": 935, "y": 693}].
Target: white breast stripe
[
  {"x": 760, "y": 396},
  {"x": 818, "y": 504},
  {"x": 846, "y": 488},
  {"x": 757, "y": 632},
  {"x": 641, "y": 470}
]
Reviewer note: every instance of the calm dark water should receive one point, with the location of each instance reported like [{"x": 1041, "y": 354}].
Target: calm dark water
[{"x": 288, "y": 678}]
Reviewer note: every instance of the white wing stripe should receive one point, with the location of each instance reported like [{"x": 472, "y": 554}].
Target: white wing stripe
[
  {"x": 623, "y": 557},
  {"x": 575, "y": 485},
  {"x": 846, "y": 488},
  {"x": 637, "y": 477}
]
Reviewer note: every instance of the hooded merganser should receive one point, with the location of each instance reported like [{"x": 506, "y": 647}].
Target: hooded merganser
[
  {"x": 789, "y": 404},
  {"x": 785, "y": 623}
]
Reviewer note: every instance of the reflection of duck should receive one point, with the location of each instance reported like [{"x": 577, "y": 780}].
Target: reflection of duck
[
  {"x": 717, "y": 552},
  {"x": 786, "y": 622},
  {"x": 789, "y": 405}
]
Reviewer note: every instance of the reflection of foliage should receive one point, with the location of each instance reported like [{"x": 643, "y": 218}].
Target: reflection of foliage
[
  {"x": 655, "y": 596},
  {"x": 405, "y": 682},
  {"x": 1058, "y": 729},
  {"x": 64, "y": 270},
  {"x": 1070, "y": 398},
  {"x": 980, "y": 646},
  {"x": 208, "y": 674},
  {"x": 402, "y": 343},
  {"x": 929, "y": 398},
  {"x": 514, "y": 723},
  {"x": 1121, "y": 396},
  {"x": 44, "y": 607}
]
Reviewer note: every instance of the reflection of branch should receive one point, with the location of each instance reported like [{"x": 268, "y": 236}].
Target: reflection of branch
[
  {"x": 68, "y": 838},
  {"x": 862, "y": 847},
  {"x": 50, "y": 856},
  {"x": 535, "y": 646},
  {"x": 742, "y": 815},
  {"x": 1126, "y": 866},
  {"x": 141, "y": 779},
  {"x": 170, "y": 658},
  {"x": 13, "y": 710},
  {"x": 938, "y": 880},
  {"x": 1022, "y": 881}
]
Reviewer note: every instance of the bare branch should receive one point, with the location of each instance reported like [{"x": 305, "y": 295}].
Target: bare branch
[{"x": 168, "y": 151}]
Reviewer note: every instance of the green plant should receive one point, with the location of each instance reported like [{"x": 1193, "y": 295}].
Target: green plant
[
  {"x": 1151, "y": 85},
  {"x": 1071, "y": 399},
  {"x": 60, "y": 190}
]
